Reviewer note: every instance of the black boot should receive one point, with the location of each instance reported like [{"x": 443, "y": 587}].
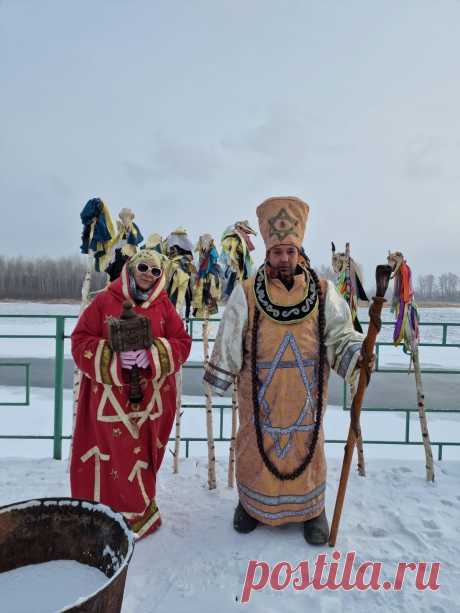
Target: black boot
[
  {"x": 242, "y": 522},
  {"x": 316, "y": 530}
]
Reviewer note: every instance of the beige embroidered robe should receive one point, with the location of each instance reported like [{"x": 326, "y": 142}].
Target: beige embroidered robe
[{"x": 287, "y": 371}]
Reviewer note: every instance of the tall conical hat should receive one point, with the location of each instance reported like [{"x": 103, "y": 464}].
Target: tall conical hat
[{"x": 282, "y": 221}]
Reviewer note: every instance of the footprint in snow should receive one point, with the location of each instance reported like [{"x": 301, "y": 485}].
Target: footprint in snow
[
  {"x": 379, "y": 532},
  {"x": 430, "y": 524}
]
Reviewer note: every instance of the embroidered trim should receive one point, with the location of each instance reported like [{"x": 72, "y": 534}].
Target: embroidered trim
[
  {"x": 216, "y": 381},
  {"x": 136, "y": 472},
  {"x": 168, "y": 348},
  {"x": 347, "y": 357},
  {"x": 153, "y": 520},
  {"x": 106, "y": 357},
  {"x": 165, "y": 365},
  {"x": 308, "y": 405},
  {"x": 281, "y": 514},
  {"x": 284, "y": 314},
  {"x": 97, "y": 360},
  {"x": 150, "y": 515},
  {"x": 277, "y": 500},
  {"x": 114, "y": 370},
  {"x": 219, "y": 369},
  {"x": 285, "y": 364},
  {"x": 218, "y": 377},
  {"x": 156, "y": 361},
  {"x": 132, "y": 427},
  {"x": 98, "y": 457},
  {"x": 125, "y": 284}
]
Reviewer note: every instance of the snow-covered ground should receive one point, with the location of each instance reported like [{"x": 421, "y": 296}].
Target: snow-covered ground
[{"x": 197, "y": 563}]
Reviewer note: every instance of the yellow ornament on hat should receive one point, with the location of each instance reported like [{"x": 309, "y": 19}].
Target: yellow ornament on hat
[{"x": 282, "y": 221}]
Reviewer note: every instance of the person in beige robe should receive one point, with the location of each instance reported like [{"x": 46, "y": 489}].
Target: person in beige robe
[{"x": 281, "y": 332}]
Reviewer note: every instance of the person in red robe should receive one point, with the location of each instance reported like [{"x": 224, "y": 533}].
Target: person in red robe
[{"x": 118, "y": 446}]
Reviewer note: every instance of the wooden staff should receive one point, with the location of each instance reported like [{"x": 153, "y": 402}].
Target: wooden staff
[
  {"x": 382, "y": 275},
  {"x": 422, "y": 417},
  {"x": 359, "y": 442},
  {"x": 231, "y": 456},
  {"x": 209, "y": 413}
]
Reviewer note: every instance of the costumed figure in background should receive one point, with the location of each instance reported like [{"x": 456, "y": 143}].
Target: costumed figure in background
[
  {"x": 237, "y": 264},
  {"x": 208, "y": 284},
  {"x": 349, "y": 285},
  {"x": 182, "y": 269},
  {"x": 407, "y": 332},
  {"x": 155, "y": 242},
  {"x": 206, "y": 293},
  {"x": 97, "y": 237},
  {"x": 281, "y": 332},
  {"x": 349, "y": 282},
  {"x": 125, "y": 243},
  {"x": 179, "y": 251},
  {"x": 119, "y": 442},
  {"x": 98, "y": 232}
]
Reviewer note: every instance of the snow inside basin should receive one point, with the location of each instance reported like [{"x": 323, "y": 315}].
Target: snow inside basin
[{"x": 50, "y": 529}]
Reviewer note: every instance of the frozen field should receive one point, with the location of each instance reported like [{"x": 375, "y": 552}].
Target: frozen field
[{"x": 431, "y": 357}]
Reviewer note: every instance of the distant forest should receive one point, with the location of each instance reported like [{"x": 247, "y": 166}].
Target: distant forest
[
  {"x": 61, "y": 279},
  {"x": 44, "y": 278}
]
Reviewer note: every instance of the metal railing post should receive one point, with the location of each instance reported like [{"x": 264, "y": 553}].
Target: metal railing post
[{"x": 58, "y": 386}]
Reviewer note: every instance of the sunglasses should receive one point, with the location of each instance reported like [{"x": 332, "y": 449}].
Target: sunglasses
[{"x": 154, "y": 270}]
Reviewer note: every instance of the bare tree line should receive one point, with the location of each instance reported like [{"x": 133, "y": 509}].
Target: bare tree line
[
  {"x": 61, "y": 279},
  {"x": 441, "y": 288},
  {"x": 44, "y": 278},
  {"x": 445, "y": 287}
]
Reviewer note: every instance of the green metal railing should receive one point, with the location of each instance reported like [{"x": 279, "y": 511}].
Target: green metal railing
[
  {"x": 59, "y": 337},
  {"x": 26, "y": 366}
]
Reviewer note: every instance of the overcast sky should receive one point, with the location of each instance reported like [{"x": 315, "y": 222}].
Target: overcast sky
[{"x": 192, "y": 112}]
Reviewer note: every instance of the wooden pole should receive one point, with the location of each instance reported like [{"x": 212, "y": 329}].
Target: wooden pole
[
  {"x": 176, "y": 453},
  {"x": 422, "y": 417},
  {"x": 209, "y": 412},
  {"x": 85, "y": 289},
  {"x": 382, "y": 277},
  {"x": 231, "y": 458}
]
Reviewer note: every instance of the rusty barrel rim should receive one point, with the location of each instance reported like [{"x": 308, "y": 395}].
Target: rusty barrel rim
[{"x": 87, "y": 505}]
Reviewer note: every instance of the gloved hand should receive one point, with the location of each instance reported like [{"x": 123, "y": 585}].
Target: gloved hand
[
  {"x": 142, "y": 359},
  {"x": 128, "y": 359}
]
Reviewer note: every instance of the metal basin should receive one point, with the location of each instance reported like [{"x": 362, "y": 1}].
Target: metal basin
[{"x": 47, "y": 529}]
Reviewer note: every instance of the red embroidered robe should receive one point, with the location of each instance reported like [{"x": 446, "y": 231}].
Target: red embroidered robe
[{"x": 118, "y": 446}]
